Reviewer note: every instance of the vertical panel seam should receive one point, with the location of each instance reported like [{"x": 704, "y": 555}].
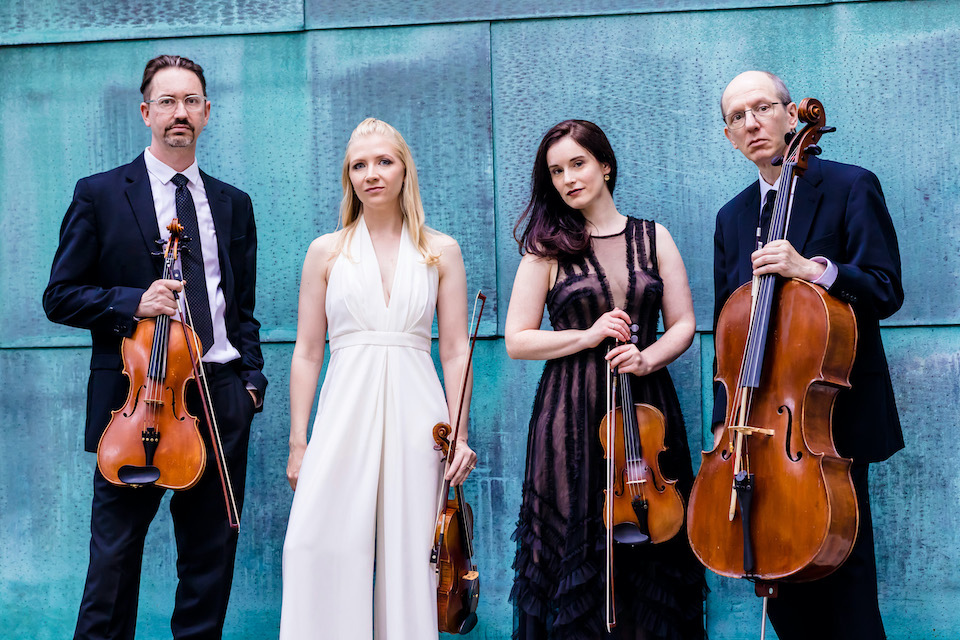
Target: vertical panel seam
[{"x": 493, "y": 169}]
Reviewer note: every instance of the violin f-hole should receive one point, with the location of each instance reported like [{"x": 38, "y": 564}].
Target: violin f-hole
[{"x": 136, "y": 403}]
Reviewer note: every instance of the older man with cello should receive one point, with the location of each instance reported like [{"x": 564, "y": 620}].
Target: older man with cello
[{"x": 841, "y": 238}]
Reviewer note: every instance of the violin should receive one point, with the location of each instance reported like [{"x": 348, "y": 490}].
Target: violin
[
  {"x": 153, "y": 439},
  {"x": 776, "y": 502},
  {"x": 458, "y": 580},
  {"x": 640, "y": 505}
]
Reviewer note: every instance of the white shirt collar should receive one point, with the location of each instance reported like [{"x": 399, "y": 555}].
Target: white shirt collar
[
  {"x": 164, "y": 173},
  {"x": 765, "y": 187}
]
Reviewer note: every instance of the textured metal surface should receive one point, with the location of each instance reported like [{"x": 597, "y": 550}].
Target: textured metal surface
[
  {"x": 433, "y": 85},
  {"x": 473, "y": 101},
  {"x": 38, "y": 21},
  {"x": 84, "y": 117},
  {"x": 656, "y": 95},
  {"x": 324, "y": 14}
]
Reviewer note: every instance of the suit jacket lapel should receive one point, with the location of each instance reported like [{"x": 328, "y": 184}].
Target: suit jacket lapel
[
  {"x": 222, "y": 211},
  {"x": 140, "y": 197},
  {"x": 805, "y": 202},
  {"x": 748, "y": 220}
]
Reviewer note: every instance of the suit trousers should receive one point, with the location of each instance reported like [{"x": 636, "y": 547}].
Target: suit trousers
[
  {"x": 206, "y": 546},
  {"x": 842, "y": 606}
]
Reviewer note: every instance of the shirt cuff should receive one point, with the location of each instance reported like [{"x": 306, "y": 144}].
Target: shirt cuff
[{"x": 829, "y": 276}]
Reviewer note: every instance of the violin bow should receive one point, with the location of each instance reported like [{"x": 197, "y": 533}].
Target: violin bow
[
  {"x": 194, "y": 349},
  {"x": 611, "y": 611},
  {"x": 475, "y": 322}
]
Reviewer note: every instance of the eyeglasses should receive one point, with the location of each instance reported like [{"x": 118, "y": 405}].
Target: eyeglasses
[
  {"x": 737, "y": 119},
  {"x": 168, "y": 104}
]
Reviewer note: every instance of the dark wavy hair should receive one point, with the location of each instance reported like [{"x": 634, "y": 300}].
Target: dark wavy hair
[{"x": 553, "y": 228}]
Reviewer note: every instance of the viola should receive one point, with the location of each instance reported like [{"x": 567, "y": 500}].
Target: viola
[
  {"x": 458, "y": 580},
  {"x": 640, "y": 506},
  {"x": 775, "y": 501},
  {"x": 153, "y": 439}
]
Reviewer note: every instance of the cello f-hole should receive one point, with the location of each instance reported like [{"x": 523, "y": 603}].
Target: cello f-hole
[{"x": 794, "y": 458}]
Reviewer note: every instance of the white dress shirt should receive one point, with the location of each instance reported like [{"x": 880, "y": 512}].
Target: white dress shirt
[{"x": 164, "y": 202}]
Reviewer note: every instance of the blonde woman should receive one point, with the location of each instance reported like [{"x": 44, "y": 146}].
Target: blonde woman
[{"x": 366, "y": 484}]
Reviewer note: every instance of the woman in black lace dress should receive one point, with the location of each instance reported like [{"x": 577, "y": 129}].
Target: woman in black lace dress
[{"x": 597, "y": 270}]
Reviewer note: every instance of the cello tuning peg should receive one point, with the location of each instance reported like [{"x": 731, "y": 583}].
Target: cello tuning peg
[
  {"x": 813, "y": 150},
  {"x": 788, "y": 136},
  {"x": 827, "y": 129},
  {"x": 776, "y": 161},
  {"x": 160, "y": 242}
]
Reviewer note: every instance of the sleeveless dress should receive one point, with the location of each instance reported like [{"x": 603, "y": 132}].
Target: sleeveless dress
[
  {"x": 559, "y": 589},
  {"x": 370, "y": 477}
]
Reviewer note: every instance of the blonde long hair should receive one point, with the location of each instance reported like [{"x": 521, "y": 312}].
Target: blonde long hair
[{"x": 410, "y": 204}]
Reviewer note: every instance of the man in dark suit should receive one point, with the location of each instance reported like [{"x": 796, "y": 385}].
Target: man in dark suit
[
  {"x": 842, "y": 238},
  {"x": 105, "y": 276}
]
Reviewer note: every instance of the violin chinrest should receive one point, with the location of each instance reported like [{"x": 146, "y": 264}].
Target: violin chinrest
[
  {"x": 137, "y": 475},
  {"x": 629, "y": 533}
]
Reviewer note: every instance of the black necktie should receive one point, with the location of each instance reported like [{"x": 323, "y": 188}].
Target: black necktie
[
  {"x": 766, "y": 214},
  {"x": 191, "y": 258}
]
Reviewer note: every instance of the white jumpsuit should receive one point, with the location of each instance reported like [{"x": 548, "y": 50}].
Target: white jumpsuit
[{"x": 368, "y": 486}]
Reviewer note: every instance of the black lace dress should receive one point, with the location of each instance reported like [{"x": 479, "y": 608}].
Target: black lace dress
[{"x": 560, "y": 581}]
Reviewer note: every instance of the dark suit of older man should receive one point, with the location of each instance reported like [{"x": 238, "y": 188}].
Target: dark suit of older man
[{"x": 840, "y": 236}]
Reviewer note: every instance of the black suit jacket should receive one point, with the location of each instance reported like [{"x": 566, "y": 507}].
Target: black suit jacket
[
  {"x": 106, "y": 261},
  {"x": 838, "y": 213}
]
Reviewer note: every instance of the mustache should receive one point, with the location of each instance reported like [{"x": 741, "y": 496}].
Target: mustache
[{"x": 177, "y": 123}]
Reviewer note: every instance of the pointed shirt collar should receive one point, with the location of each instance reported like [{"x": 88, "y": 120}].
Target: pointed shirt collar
[
  {"x": 764, "y": 188},
  {"x": 164, "y": 173}
]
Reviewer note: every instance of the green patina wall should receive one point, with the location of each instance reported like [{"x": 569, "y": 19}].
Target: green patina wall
[{"x": 473, "y": 86}]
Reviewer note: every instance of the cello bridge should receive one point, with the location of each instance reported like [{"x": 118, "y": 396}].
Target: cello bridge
[{"x": 749, "y": 431}]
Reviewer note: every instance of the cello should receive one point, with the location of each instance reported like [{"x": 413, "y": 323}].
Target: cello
[
  {"x": 153, "y": 439},
  {"x": 775, "y": 501},
  {"x": 640, "y": 505},
  {"x": 458, "y": 580}
]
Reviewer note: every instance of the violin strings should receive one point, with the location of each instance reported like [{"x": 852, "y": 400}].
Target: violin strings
[{"x": 630, "y": 433}]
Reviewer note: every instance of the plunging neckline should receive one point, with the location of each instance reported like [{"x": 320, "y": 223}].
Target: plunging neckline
[{"x": 396, "y": 267}]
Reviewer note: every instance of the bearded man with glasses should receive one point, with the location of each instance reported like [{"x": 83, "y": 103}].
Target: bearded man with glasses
[
  {"x": 840, "y": 237},
  {"x": 105, "y": 276}
]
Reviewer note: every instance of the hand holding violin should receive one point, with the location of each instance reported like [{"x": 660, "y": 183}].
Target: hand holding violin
[
  {"x": 463, "y": 463},
  {"x": 613, "y": 324},
  {"x": 158, "y": 299}
]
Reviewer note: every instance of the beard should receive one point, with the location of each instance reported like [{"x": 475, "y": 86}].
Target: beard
[{"x": 180, "y": 139}]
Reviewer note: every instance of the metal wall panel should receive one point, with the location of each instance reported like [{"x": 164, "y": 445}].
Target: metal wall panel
[
  {"x": 472, "y": 101},
  {"x": 38, "y": 21},
  {"x": 656, "y": 95},
  {"x": 325, "y": 14},
  {"x": 432, "y": 84},
  {"x": 83, "y": 118}
]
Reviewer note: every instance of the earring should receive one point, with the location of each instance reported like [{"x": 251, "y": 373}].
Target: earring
[{"x": 606, "y": 177}]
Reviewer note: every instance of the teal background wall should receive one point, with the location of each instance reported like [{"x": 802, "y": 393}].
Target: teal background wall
[{"x": 473, "y": 86}]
